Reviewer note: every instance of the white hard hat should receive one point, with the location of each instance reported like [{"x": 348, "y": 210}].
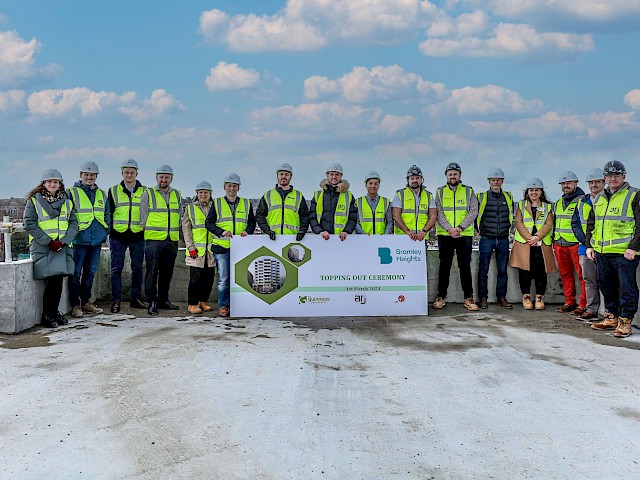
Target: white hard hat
[
  {"x": 285, "y": 167},
  {"x": 495, "y": 173},
  {"x": 204, "y": 185},
  {"x": 129, "y": 163},
  {"x": 535, "y": 182},
  {"x": 567, "y": 176},
  {"x": 164, "y": 169},
  {"x": 89, "y": 167},
  {"x": 595, "y": 174},
  {"x": 232, "y": 178},
  {"x": 335, "y": 167},
  {"x": 51, "y": 174},
  {"x": 372, "y": 174}
]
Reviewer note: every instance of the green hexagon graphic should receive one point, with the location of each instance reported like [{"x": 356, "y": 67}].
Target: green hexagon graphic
[
  {"x": 260, "y": 274},
  {"x": 293, "y": 253}
]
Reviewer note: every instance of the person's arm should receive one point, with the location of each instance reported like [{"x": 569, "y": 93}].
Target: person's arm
[
  {"x": 144, "y": 208},
  {"x": 30, "y": 220},
  {"x": 441, "y": 219},
  {"x": 635, "y": 241},
  {"x": 470, "y": 217},
  {"x": 353, "y": 216},
  {"x": 313, "y": 221},
  {"x": 547, "y": 227},
  {"x": 576, "y": 225},
  {"x": 187, "y": 231},
  {"x": 304, "y": 215},
  {"x": 251, "y": 221},
  {"x": 210, "y": 222},
  {"x": 72, "y": 229},
  {"x": 519, "y": 223},
  {"x": 388, "y": 217},
  {"x": 261, "y": 216},
  {"x": 107, "y": 213}
]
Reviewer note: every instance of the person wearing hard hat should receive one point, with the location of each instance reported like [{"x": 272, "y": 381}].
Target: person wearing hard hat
[
  {"x": 199, "y": 258},
  {"x": 52, "y": 226},
  {"x": 283, "y": 210},
  {"x": 230, "y": 215},
  {"x": 494, "y": 222},
  {"x": 613, "y": 239},
  {"x": 160, "y": 218},
  {"x": 126, "y": 233},
  {"x": 532, "y": 251},
  {"x": 374, "y": 214},
  {"x": 413, "y": 207},
  {"x": 333, "y": 208},
  {"x": 94, "y": 220},
  {"x": 457, "y": 207},
  {"x": 565, "y": 243},
  {"x": 595, "y": 180}
]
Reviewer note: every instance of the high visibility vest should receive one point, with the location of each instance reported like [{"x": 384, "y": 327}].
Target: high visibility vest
[
  {"x": 373, "y": 222},
  {"x": 529, "y": 221},
  {"x": 126, "y": 213},
  {"x": 415, "y": 217},
  {"x": 563, "y": 217},
  {"x": 85, "y": 211},
  {"x": 455, "y": 206},
  {"x": 54, "y": 227},
  {"x": 482, "y": 204},
  {"x": 163, "y": 220},
  {"x": 341, "y": 214},
  {"x": 584, "y": 209},
  {"x": 202, "y": 237},
  {"x": 283, "y": 217},
  {"x": 614, "y": 221},
  {"x": 234, "y": 222}
]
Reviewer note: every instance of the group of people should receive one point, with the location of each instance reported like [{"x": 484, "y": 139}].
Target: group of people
[{"x": 596, "y": 235}]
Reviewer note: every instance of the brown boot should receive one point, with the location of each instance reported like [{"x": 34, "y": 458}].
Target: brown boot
[
  {"x": 483, "y": 303},
  {"x": 91, "y": 308},
  {"x": 439, "y": 303},
  {"x": 76, "y": 312},
  {"x": 205, "y": 307},
  {"x": 223, "y": 312},
  {"x": 194, "y": 309},
  {"x": 469, "y": 304},
  {"x": 539, "y": 302},
  {"x": 567, "y": 308},
  {"x": 504, "y": 303},
  {"x": 624, "y": 328},
  {"x": 609, "y": 323},
  {"x": 526, "y": 302}
]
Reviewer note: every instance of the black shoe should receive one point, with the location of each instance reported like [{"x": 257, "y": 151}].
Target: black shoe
[
  {"x": 502, "y": 302},
  {"x": 115, "y": 306},
  {"x": 60, "y": 319},
  {"x": 138, "y": 303},
  {"x": 483, "y": 303},
  {"x": 153, "y": 309},
  {"x": 167, "y": 305},
  {"x": 48, "y": 321}
]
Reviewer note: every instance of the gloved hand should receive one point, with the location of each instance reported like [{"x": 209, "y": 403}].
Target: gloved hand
[
  {"x": 193, "y": 253},
  {"x": 300, "y": 236},
  {"x": 272, "y": 234},
  {"x": 56, "y": 245}
]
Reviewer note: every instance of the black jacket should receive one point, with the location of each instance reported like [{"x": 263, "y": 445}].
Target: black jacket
[
  {"x": 329, "y": 203},
  {"x": 494, "y": 222}
]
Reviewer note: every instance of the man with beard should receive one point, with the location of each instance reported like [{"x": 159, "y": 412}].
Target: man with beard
[
  {"x": 374, "y": 215},
  {"x": 283, "y": 210},
  {"x": 457, "y": 207},
  {"x": 160, "y": 217},
  {"x": 333, "y": 208},
  {"x": 565, "y": 243},
  {"x": 413, "y": 207}
]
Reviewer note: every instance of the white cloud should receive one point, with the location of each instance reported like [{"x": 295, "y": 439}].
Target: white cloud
[
  {"x": 17, "y": 59},
  {"x": 632, "y": 99},
  {"x": 46, "y": 138},
  {"x": 58, "y": 103},
  {"x": 487, "y": 100},
  {"x": 107, "y": 153},
  {"x": 362, "y": 85},
  {"x": 229, "y": 76},
  {"x": 159, "y": 104},
  {"x": 11, "y": 99}
]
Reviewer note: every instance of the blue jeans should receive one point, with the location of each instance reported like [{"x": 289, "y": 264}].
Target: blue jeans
[
  {"x": 86, "y": 258},
  {"x": 617, "y": 282},
  {"x": 222, "y": 263},
  {"x": 136, "y": 254},
  {"x": 486, "y": 248}
]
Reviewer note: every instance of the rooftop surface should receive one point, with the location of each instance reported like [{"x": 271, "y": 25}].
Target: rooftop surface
[{"x": 494, "y": 394}]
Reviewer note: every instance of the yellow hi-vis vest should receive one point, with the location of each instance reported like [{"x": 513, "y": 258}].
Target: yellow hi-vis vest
[
  {"x": 85, "y": 212},
  {"x": 482, "y": 204},
  {"x": 373, "y": 222},
  {"x": 584, "y": 209},
  {"x": 529, "y": 221},
  {"x": 126, "y": 212},
  {"x": 415, "y": 217},
  {"x": 614, "y": 221},
  {"x": 202, "y": 237},
  {"x": 55, "y": 227},
  {"x": 455, "y": 206},
  {"x": 341, "y": 215},
  {"x": 163, "y": 220},
  {"x": 234, "y": 222},
  {"x": 283, "y": 217},
  {"x": 562, "y": 228}
]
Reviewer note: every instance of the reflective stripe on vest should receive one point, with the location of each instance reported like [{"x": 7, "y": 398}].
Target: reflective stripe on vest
[
  {"x": 414, "y": 217},
  {"x": 126, "y": 212},
  {"x": 529, "y": 221},
  {"x": 482, "y": 204},
  {"x": 283, "y": 217},
  {"x": 234, "y": 222},
  {"x": 373, "y": 222},
  {"x": 584, "y": 209},
  {"x": 202, "y": 237},
  {"x": 563, "y": 217},
  {"x": 85, "y": 211},
  {"x": 54, "y": 227},
  {"x": 455, "y": 206},
  {"x": 163, "y": 220},
  {"x": 341, "y": 214},
  {"x": 614, "y": 221}
]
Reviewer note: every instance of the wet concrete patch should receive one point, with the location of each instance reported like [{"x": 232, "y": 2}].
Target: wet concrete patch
[
  {"x": 104, "y": 324},
  {"x": 29, "y": 340},
  {"x": 628, "y": 412},
  {"x": 557, "y": 360}
]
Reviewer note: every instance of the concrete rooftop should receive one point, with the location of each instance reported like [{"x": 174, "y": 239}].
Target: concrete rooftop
[{"x": 494, "y": 394}]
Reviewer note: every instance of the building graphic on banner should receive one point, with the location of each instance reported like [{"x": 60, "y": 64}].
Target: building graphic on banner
[{"x": 267, "y": 275}]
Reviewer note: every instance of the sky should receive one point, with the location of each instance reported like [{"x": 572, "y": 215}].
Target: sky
[{"x": 213, "y": 87}]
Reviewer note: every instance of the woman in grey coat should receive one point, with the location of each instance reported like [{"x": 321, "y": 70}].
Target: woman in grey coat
[{"x": 52, "y": 226}]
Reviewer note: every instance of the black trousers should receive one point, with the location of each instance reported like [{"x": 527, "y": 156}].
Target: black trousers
[
  {"x": 462, "y": 247},
  {"x": 536, "y": 272},
  {"x": 160, "y": 257},
  {"x": 200, "y": 283},
  {"x": 52, "y": 293}
]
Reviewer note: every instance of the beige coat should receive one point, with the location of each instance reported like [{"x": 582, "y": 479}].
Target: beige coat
[
  {"x": 188, "y": 238},
  {"x": 520, "y": 253}
]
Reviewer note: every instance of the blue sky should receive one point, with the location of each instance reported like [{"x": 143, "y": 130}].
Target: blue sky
[{"x": 212, "y": 87}]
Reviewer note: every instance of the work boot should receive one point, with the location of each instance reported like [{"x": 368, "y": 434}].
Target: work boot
[
  {"x": 567, "y": 308},
  {"x": 504, "y": 303},
  {"x": 223, "y": 312},
  {"x": 439, "y": 303},
  {"x": 578, "y": 311},
  {"x": 138, "y": 303},
  {"x": 539, "y": 302},
  {"x": 624, "y": 328},
  {"x": 205, "y": 307},
  {"x": 588, "y": 315},
  {"x": 91, "y": 308},
  {"x": 526, "y": 302},
  {"x": 60, "y": 319},
  {"x": 610, "y": 322},
  {"x": 167, "y": 305},
  {"x": 76, "y": 312},
  {"x": 483, "y": 304},
  {"x": 469, "y": 304},
  {"x": 115, "y": 306},
  {"x": 194, "y": 309},
  {"x": 153, "y": 309},
  {"x": 48, "y": 321}
]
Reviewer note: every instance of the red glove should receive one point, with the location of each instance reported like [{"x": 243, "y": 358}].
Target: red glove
[
  {"x": 56, "y": 245},
  {"x": 193, "y": 253}
]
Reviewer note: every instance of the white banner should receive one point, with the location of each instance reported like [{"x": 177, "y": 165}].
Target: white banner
[{"x": 377, "y": 275}]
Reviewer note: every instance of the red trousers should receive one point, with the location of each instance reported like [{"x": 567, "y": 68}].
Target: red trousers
[{"x": 569, "y": 263}]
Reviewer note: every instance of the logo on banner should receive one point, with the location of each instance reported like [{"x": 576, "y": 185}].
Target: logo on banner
[
  {"x": 308, "y": 299},
  {"x": 361, "y": 299},
  {"x": 385, "y": 255},
  {"x": 400, "y": 298}
]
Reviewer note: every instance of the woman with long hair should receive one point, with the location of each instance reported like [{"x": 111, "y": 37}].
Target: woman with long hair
[
  {"x": 52, "y": 226},
  {"x": 532, "y": 251}
]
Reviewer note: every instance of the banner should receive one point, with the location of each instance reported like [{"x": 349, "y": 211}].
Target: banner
[{"x": 377, "y": 275}]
